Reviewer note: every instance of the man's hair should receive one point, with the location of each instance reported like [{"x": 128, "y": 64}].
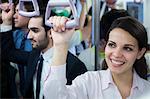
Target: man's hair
[{"x": 108, "y": 18}]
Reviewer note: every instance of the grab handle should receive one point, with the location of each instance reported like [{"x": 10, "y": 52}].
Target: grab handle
[
  {"x": 36, "y": 11},
  {"x": 62, "y": 3}
]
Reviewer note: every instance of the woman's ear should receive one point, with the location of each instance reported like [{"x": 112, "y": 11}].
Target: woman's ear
[{"x": 140, "y": 54}]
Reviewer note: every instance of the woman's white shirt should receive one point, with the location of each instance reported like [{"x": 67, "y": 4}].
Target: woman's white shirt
[{"x": 91, "y": 85}]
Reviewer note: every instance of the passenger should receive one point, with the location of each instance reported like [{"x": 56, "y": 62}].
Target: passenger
[
  {"x": 106, "y": 21},
  {"x": 8, "y": 73},
  {"x": 20, "y": 32},
  {"x": 124, "y": 55},
  {"x": 86, "y": 33}
]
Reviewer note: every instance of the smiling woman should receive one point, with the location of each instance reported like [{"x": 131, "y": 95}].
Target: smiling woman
[
  {"x": 126, "y": 45},
  {"x": 121, "y": 52},
  {"x": 140, "y": 36}
]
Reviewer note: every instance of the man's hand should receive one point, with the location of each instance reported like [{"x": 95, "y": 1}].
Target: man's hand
[{"x": 7, "y": 13}]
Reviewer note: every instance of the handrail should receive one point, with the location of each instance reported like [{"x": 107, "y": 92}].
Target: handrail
[{"x": 64, "y": 3}]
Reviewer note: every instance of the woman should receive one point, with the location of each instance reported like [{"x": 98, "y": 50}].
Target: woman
[{"x": 124, "y": 55}]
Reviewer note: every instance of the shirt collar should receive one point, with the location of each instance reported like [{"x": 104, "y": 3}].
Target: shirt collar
[
  {"x": 106, "y": 79},
  {"x": 137, "y": 81},
  {"x": 48, "y": 54}
]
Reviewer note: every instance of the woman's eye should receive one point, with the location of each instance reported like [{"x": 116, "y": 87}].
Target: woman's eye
[
  {"x": 128, "y": 49},
  {"x": 111, "y": 45}
]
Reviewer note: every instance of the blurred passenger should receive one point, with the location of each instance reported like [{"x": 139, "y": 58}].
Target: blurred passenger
[
  {"x": 111, "y": 4},
  {"x": 8, "y": 73},
  {"x": 86, "y": 33},
  {"x": 21, "y": 42},
  {"x": 107, "y": 5},
  {"x": 20, "y": 31}
]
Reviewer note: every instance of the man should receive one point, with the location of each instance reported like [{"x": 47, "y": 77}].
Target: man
[
  {"x": 42, "y": 43},
  {"x": 107, "y": 5}
]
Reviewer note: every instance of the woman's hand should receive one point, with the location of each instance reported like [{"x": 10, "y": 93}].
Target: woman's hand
[
  {"x": 60, "y": 34},
  {"x": 61, "y": 37}
]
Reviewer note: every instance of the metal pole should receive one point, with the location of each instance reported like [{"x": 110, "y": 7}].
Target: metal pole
[{"x": 96, "y": 29}]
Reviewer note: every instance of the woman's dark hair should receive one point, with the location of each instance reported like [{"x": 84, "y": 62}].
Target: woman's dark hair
[{"x": 138, "y": 31}]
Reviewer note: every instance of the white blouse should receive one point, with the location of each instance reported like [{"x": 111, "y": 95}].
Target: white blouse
[{"x": 91, "y": 85}]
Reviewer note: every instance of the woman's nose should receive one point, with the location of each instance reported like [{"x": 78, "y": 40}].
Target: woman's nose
[{"x": 117, "y": 52}]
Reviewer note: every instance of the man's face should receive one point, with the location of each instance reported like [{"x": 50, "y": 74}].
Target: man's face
[
  {"x": 37, "y": 33},
  {"x": 19, "y": 20},
  {"x": 110, "y": 1}
]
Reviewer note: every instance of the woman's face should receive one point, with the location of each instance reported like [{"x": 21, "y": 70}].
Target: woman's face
[{"x": 121, "y": 51}]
